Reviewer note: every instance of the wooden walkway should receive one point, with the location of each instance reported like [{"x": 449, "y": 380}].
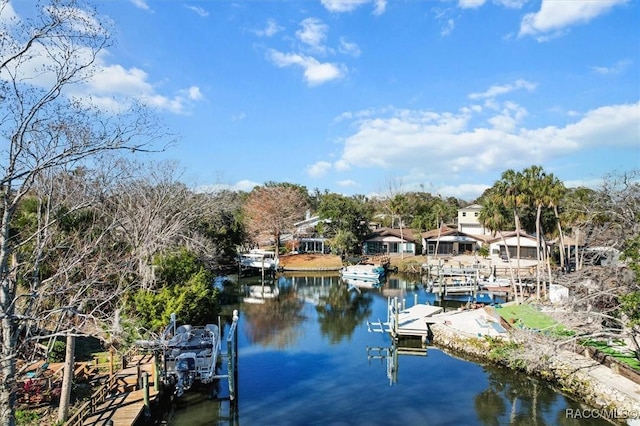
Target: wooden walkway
[
  {"x": 122, "y": 409},
  {"x": 120, "y": 401}
]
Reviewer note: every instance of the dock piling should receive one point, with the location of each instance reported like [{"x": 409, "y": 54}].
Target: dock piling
[{"x": 145, "y": 387}]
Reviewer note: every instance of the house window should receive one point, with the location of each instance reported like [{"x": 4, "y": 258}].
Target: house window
[
  {"x": 464, "y": 214},
  {"x": 476, "y": 214}
]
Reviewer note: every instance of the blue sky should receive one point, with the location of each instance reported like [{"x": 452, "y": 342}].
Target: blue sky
[{"x": 348, "y": 96}]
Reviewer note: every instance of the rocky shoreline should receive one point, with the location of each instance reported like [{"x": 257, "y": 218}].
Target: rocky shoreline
[{"x": 581, "y": 378}]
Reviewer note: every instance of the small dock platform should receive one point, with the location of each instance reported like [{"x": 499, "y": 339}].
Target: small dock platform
[{"x": 407, "y": 322}]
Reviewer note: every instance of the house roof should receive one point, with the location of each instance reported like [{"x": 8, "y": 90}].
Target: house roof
[
  {"x": 512, "y": 234},
  {"x": 433, "y": 233},
  {"x": 407, "y": 234},
  {"x": 446, "y": 231}
]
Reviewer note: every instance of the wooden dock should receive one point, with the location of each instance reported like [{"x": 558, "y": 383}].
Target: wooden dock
[
  {"x": 123, "y": 399},
  {"x": 407, "y": 322},
  {"x": 122, "y": 409}
]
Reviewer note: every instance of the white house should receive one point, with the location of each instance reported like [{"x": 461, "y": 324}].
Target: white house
[
  {"x": 469, "y": 222},
  {"x": 388, "y": 241},
  {"x": 450, "y": 241},
  {"x": 528, "y": 245}
]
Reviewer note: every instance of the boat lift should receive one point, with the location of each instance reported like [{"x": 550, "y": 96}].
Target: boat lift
[{"x": 232, "y": 359}]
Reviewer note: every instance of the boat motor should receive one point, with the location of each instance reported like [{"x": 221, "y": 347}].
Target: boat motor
[{"x": 185, "y": 367}]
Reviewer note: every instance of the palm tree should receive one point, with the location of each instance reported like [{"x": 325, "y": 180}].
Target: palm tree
[
  {"x": 398, "y": 206},
  {"x": 509, "y": 189},
  {"x": 535, "y": 191},
  {"x": 557, "y": 192},
  {"x": 493, "y": 217}
]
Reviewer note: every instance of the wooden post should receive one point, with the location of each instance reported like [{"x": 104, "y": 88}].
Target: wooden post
[
  {"x": 145, "y": 387},
  {"x": 156, "y": 375},
  {"x": 110, "y": 362}
]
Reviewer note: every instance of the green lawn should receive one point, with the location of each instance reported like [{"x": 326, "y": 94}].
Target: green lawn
[
  {"x": 617, "y": 350},
  {"x": 528, "y": 317}
]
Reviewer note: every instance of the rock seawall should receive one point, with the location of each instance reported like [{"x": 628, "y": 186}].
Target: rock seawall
[{"x": 581, "y": 378}]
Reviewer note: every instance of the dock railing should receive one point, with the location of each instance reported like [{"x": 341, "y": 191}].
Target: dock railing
[{"x": 97, "y": 398}]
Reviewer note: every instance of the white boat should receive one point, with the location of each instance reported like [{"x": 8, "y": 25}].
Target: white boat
[
  {"x": 258, "y": 259},
  {"x": 363, "y": 271},
  {"x": 492, "y": 281},
  {"x": 189, "y": 354}
]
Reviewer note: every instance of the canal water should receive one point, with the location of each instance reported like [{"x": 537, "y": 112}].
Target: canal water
[{"x": 308, "y": 358}]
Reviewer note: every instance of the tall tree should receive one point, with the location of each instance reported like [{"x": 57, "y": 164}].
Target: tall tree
[
  {"x": 493, "y": 217},
  {"x": 509, "y": 188},
  {"x": 348, "y": 216},
  {"x": 536, "y": 193},
  {"x": 43, "y": 130},
  {"x": 273, "y": 209}
]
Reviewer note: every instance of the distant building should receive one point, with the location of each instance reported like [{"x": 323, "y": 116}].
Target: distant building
[
  {"x": 306, "y": 237},
  {"x": 469, "y": 220},
  {"x": 450, "y": 241},
  {"x": 389, "y": 241}
]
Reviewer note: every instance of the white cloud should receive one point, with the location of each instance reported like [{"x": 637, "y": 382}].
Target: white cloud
[
  {"x": 447, "y": 144},
  {"x": 494, "y": 91},
  {"x": 315, "y": 72},
  {"x": 349, "y": 48},
  {"x": 615, "y": 125},
  {"x": 464, "y": 191},
  {"x": 347, "y": 183},
  {"x": 313, "y": 33},
  {"x": 344, "y": 6},
  {"x": 448, "y": 28},
  {"x": 140, "y": 4},
  {"x": 512, "y": 4},
  {"x": 555, "y": 16},
  {"x": 379, "y": 7},
  {"x": 124, "y": 85},
  {"x": 470, "y": 4},
  {"x": 319, "y": 169},
  {"x": 616, "y": 68},
  {"x": 271, "y": 29},
  {"x": 197, "y": 9},
  {"x": 341, "y": 6},
  {"x": 194, "y": 93},
  {"x": 242, "y": 185}
]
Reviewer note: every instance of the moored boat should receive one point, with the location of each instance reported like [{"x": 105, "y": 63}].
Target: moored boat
[
  {"x": 363, "y": 271},
  {"x": 492, "y": 281},
  {"x": 258, "y": 259},
  {"x": 189, "y": 354}
]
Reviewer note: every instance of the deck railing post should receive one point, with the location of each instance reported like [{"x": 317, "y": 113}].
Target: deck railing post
[
  {"x": 156, "y": 373},
  {"x": 145, "y": 386}
]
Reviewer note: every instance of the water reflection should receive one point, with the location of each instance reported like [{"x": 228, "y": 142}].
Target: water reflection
[{"x": 306, "y": 357}]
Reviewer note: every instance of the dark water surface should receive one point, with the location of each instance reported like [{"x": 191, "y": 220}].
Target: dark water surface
[{"x": 307, "y": 358}]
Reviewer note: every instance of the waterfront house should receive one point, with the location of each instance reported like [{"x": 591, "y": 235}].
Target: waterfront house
[
  {"x": 528, "y": 245},
  {"x": 306, "y": 238},
  {"x": 389, "y": 241},
  {"x": 451, "y": 241}
]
